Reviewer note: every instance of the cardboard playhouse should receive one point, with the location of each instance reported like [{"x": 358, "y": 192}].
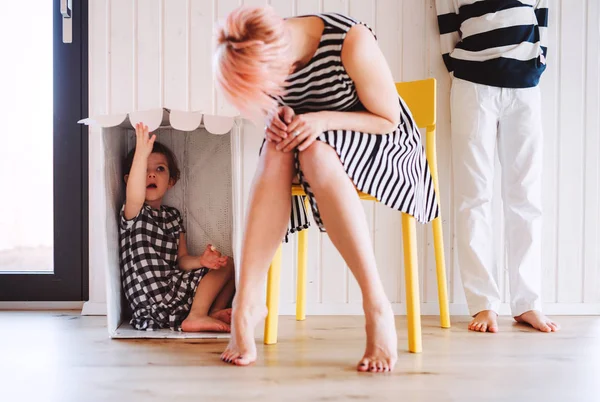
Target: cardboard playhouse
[
  {"x": 204, "y": 195},
  {"x": 154, "y": 64}
]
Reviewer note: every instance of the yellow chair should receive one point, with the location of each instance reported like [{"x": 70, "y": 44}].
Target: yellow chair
[{"x": 420, "y": 96}]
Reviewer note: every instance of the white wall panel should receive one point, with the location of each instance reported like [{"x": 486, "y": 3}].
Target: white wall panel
[{"x": 158, "y": 53}]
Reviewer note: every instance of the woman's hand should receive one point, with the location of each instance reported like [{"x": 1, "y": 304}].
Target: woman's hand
[
  {"x": 276, "y": 125},
  {"x": 303, "y": 131},
  {"x": 212, "y": 259},
  {"x": 143, "y": 141}
]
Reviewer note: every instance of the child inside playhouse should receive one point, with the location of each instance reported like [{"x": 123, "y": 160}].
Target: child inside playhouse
[{"x": 166, "y": 287}]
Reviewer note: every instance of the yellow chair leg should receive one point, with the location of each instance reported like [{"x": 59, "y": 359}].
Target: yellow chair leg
[
  {"x": 273, "y": 280},
  {"x": 301, "y": 280},
  {"x": 411, "y": 271},
  {"x": 438, "y": 240}
]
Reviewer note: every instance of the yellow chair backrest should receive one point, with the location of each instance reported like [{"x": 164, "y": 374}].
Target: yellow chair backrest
[{"x": 420, "y": 97}]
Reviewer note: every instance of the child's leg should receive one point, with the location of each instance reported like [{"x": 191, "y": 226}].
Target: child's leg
[
  {"x": 208, "y": 290},
  {"x": 520, "y": 152},
  {"x": 224, "y": 298},
  {"x": 475, "y": 113},
  {"x": 221, "y": 308}
]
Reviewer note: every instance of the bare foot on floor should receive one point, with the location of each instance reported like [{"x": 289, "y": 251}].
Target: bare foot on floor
[
  {"x": 204, "y": 324},
  {"x": 222, "y": 315},
  {"x": 485, "y": 321},
  {"x": 241, "y": 350},
  {"x": 538, "y": 321},
  {"x": 381, "y": 353}
]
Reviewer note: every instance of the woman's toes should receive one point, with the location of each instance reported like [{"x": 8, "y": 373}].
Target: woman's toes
[{"x": 363, "y": 365}]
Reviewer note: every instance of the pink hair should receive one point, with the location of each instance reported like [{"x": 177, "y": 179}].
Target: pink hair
[{"x": 252, "y": 60}]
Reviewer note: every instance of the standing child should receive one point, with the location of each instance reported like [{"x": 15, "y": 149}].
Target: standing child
[
  {"x": 166, "y": 287},
  {"x": 497, "y": 53}
]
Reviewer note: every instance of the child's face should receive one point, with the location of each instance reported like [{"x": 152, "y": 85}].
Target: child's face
[{"x": 157, "y": 177}]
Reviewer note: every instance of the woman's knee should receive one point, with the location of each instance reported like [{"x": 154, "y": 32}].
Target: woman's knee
[
  {"x": 274, "y": 162},
  {"x": 318, "y": 162}
]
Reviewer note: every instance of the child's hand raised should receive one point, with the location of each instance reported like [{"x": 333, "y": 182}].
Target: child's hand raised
[
  {"x": 212, "y": 259},
  {"x": 143, "y": 142}
]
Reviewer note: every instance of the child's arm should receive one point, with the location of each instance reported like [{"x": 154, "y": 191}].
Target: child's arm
[
  {"x": 449, "y": 29},
  {"x": 211, "y": 258},
  {"x": 136, "y": 181},
  {"x": 541, "y": 12}
]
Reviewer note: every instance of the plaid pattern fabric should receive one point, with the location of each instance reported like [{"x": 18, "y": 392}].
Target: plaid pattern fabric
[{"x": 159, "y": 294}]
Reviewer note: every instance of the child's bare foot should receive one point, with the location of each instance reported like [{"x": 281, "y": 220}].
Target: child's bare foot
[
  {"x": 381, "y": 353},
  {"x": 204, "y": 324},
  {"x": 222, "y": 315},
  {"x": 485, "y": 321},
  {"x": 538, "y": 321},
  {"x": 241, "y": 350}
]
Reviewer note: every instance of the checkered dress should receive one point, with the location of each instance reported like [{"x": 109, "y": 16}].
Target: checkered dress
[{"x": 159, "y": 294}]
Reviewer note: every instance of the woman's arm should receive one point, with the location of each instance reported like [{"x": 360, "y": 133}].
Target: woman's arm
[{"x": 365, "y": 64}]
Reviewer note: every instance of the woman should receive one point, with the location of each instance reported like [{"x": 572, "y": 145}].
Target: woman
[{"x": 336, "y": 123}]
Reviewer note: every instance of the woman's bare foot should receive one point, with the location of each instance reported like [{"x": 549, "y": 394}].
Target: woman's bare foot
[
  {"x": 241, "y": 350},
  {"x": 381, "y": 353},
  {"x": 222, "y": 315},
  {"x": 485, "y": 321},
  {"x": 538, "y": 321},
  {"x": 204, "y": 323}
]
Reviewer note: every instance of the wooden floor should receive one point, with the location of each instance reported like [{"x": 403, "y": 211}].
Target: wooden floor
[{"x": 61, "y": 356}]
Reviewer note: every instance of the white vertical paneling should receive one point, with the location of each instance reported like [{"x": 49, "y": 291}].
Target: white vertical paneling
[
  {"x": 255, "y": 3},
  {"x": 148, "y": 55},
  {"x": 436, "y": 68},
  {"x": 158, "y": 53},
  {"x": 308, "y": 7},
  {"x": 176, "y": 60},
  {"x": 443, "y": 137},
  {"x": 98, "y": 57},
  {"x": 202, "y": 28},
  {"x": 387, "y": 234},
  {"x": 285, "y": 8},
  {"x": 222, "y": 9},
  {"x": 388, "y": 29},
  {"x": 121, "y": 31},
  {"x": 551, "y": 117},
  {"x": 591, "y": 275},
  {"x": 414, "y": 41},
  {"x": 338, "y": 6},
  {"x": 571, "y": 161}
]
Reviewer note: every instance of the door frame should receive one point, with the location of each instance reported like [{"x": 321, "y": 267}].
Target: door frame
[{"x": 70, "y": 279}]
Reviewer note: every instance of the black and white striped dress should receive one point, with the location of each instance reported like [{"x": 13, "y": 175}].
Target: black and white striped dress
[{"x": 390, "y": 167}]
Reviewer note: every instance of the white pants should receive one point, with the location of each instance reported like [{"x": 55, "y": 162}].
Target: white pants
[{"x": 483, "y": 117}]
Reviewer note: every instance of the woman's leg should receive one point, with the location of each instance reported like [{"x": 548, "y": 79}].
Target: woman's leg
[
  {"x": 344, "y": 218},
  {"x": 210, "y": 287},
  {"x": 269, "y": 209}
]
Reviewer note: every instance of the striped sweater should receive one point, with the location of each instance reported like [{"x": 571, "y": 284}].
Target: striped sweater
[{"x": 500, "y": 43}]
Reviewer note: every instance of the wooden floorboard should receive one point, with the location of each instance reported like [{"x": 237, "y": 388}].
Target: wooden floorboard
[{"x": 61, "y": 356}]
